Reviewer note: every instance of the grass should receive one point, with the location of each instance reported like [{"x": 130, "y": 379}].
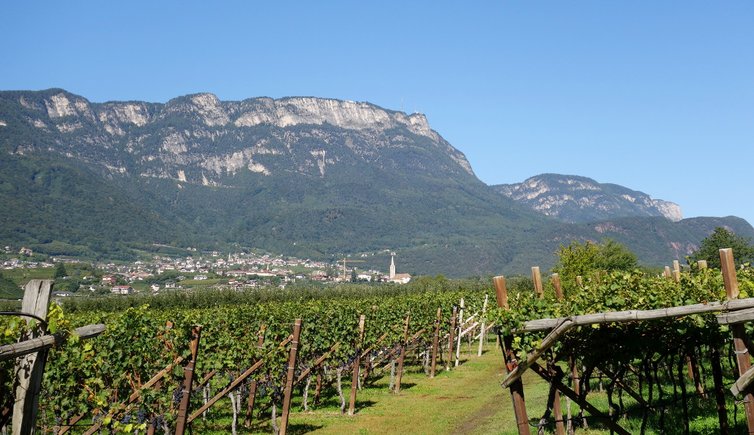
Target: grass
[
  {"x": 21, "y": 276},
  {"x": 465, "y": 400}
]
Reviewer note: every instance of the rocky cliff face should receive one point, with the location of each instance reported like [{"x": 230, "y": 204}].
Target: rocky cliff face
[
  {"x": 579, "y": 199},
  {"x": 201, "y": 140}
]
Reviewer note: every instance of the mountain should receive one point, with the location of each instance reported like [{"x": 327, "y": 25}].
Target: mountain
[
  {"x": 309, "y": 177},
  {"x": 576, "y": 199}
]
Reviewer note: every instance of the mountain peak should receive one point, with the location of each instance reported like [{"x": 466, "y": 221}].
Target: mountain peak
[{"x": 575, "y": 199}]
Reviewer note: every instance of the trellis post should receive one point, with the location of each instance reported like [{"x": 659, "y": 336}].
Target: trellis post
[
  {"x": 188, "y": 380},
  {"x": 356, "y": 365},
  {"x": 399, "y": 374},
  {"x": 536, "y": 278},
  {"x": 30, "y": 368},
  {"x": 460, "y": 329},
  {"x": 253, "y": 386},
  {"x": 517, "y": 388},
  {"x": 289, "y": 376},
  {"x": 730, "y": 281},
  {"x": 451, "y": 337},
  {"x": 436, "y": 342},
  {"x": 483, "y": 326},
  {"x": 559, "y": 426}
]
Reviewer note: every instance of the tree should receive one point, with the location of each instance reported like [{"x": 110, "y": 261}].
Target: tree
[
  {"x": 60, "y": 271},
  {"x": 614, "y": 256},
  {"x": 720, "y": 238},
  {"x": 582, "y": 259}
]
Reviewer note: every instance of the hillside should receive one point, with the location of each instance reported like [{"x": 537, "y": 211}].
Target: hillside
[{"x": 308, "y": 177}]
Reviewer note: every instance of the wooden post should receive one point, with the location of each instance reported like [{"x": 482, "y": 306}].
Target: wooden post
[
  {"x": 451, "y": 338},
  {"x": 289, "y": 377},
  {"x": 666, "y": 273},
  {"x": 318, "y": 388},
  {"x": 483, "y": 325},
  {"x": 717, "y": 377},
  {"x": 739, "y": 333},
  {"x": 676, "y": 271},
  {"x": 556, "y": 409},
  {"x": 30, "y": 368},
  {"x": 536, "y": 278},
  {"x": 501, "y": 291},
  {"x": 460, "y": 329},
  {"x": 579, "y": 281},
  {"x": 253, "y": 385},
  {"x": 188, "y": 380},
  {"x": 553, "y": 380},
  {"x": 702, "y": 264},
  {"x": 356, "y": 364},
  {"x": 557, "y": 286},
  {"x": 399, "y": 373},
  {"x": 436, "y": 342},
  {"x": 517, "y": 388}
]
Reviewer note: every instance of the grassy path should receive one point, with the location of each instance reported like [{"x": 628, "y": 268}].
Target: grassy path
[{"x": 468, "y": 400}]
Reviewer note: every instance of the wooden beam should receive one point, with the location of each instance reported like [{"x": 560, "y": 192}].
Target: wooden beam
[
  {"x": 132, "y": 398},
  {"x": 254, "y": 367},
  {"x": 739, "y": 316},
  {"x": 532, "y": 357},
  {"x": 566, "y": 323},
  {"x": 743, "y": 382},
  {"x": 554, "y": 380},
  {"x": 317, "y": 363},
  {"x": 636, "y": 315},
  {"x": 13, "y": 350}
]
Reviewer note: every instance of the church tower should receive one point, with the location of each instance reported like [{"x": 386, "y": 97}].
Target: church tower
[{"x": 392, "y": 265}]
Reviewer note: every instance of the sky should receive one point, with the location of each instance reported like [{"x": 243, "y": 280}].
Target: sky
[{"x": 654, "y": 96}]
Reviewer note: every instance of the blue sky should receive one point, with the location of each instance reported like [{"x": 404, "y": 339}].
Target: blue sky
[{"x": 655, "y": 96}]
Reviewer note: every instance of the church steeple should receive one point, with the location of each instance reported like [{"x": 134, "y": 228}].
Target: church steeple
[{"x": 392, "y": 265}]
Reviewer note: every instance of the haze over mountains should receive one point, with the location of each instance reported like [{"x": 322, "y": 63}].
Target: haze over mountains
[{"x": 309, "y": 177}]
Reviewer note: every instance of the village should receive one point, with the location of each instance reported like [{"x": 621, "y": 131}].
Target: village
[{"x": 200, "y": 270}]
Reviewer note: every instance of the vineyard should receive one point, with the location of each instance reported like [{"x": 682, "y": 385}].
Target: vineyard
[
  {"x": 133, "y": 376},
  {"x": 630, "y": 352},
  {"x": 658, "y": 348}
]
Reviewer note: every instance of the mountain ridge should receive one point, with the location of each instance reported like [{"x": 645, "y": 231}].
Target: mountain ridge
[
  {"x": 314, "y": 180},
  {"x": 579, "y": 199}
]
